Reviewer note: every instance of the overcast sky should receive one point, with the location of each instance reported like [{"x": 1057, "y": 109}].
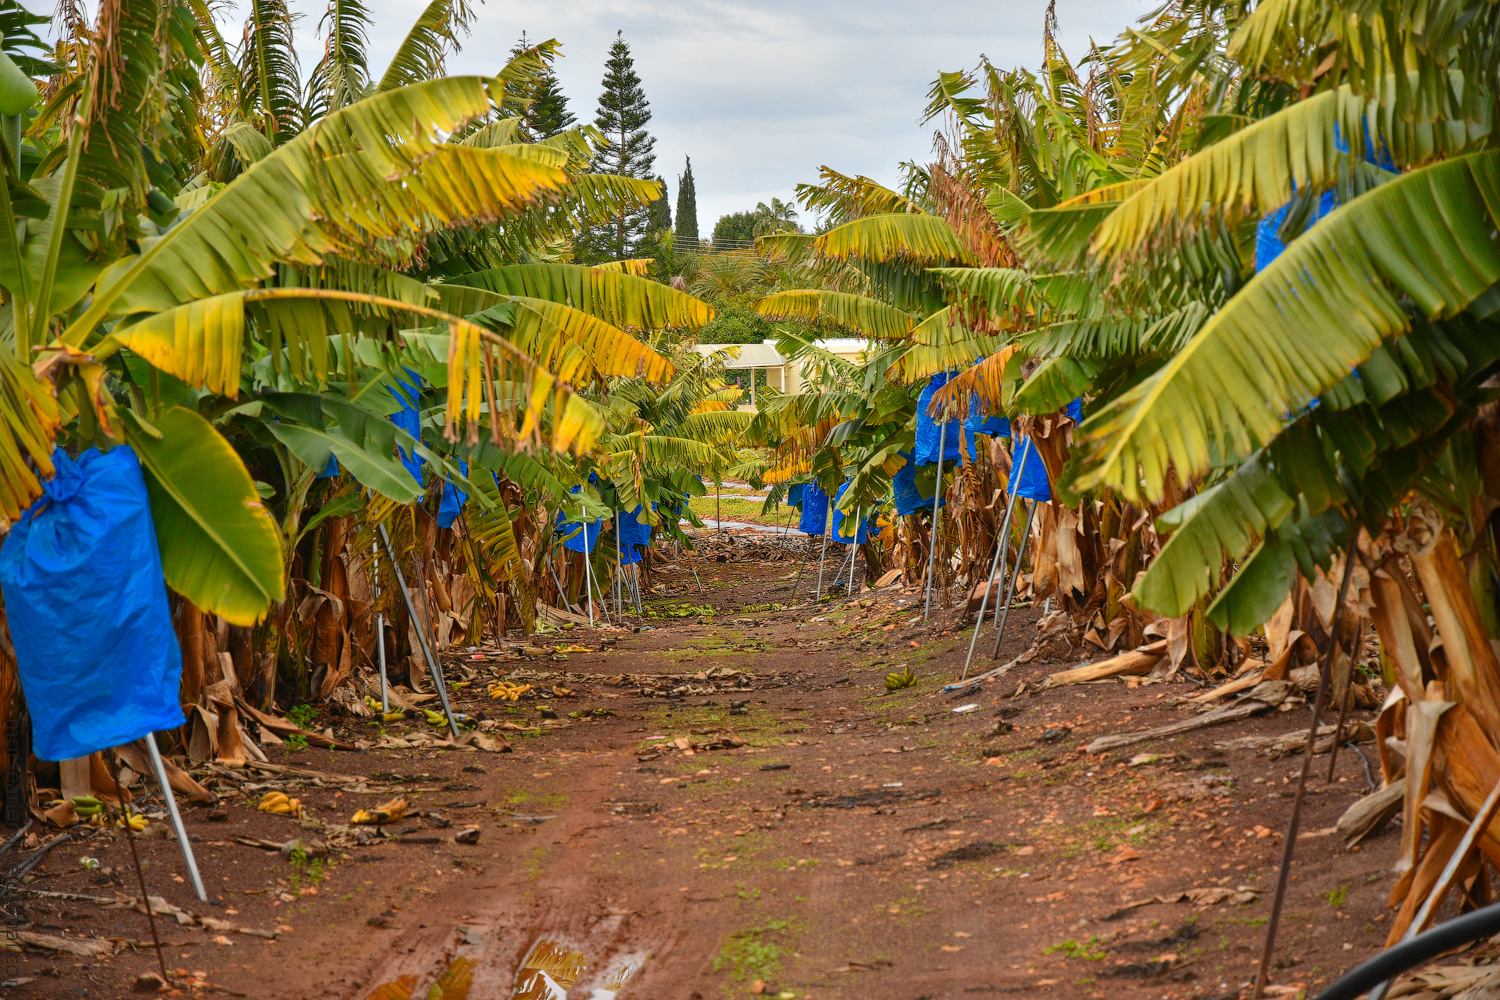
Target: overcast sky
[{"x": 761, "y": 93}]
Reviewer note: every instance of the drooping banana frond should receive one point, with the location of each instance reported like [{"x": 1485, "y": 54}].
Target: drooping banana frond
[
  {"x": 715, "y": 428},
  {"x": 857, "y": 313},
  {"x": 492, "y": 532},
  {"x": 202, "y": 343},
  {"x": 609, "y": 350},
  {"x": 922, "y": 239},
  {"x": 366, "y": 169},
  {"x": 719, "y": 401},
  {"x": 423, "y": 53},
  {"x": 636, "y": 267},
  {"x": 29, "y": 423},
  {"x": 844, "y": 198},
  {"x": 940, "y": 344},
  {"x": 271, "y": 87},
  {"x": 1302, "y": 323},
  {"x": 1257, "y": 169},
  {"x": 342, "y": 76},
  {"x": 625, "y": 300},
  {"x": 984, "y": 383}
]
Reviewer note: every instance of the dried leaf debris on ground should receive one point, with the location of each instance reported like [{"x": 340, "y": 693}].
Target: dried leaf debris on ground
[{"x": 736, "y": 801}]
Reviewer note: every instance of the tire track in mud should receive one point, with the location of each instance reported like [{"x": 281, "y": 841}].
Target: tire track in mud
[{"x": 546, "y": 890}]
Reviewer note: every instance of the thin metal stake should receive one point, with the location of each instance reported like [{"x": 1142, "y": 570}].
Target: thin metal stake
[
  {"x": 983, "y": 604},
  {"x": 385, "y": 702},
  {"x": 1338, "y": 732},
  {"x": 136, "y": 857},
  {"x": 1292, "y": 824},
  {"x": 827, "y": 530},
  {"x": 182, "y": 837},
  {"x": 853, "y": 547},
  {"x": 1002, "y": 554},
  {"x": 432, "y": 662},
  {"x": 1010, "y": 592},
  {"x": 937, "y": 500},
  {"x": 588, "y": 579},
  {"x": 800, "y": 569}
]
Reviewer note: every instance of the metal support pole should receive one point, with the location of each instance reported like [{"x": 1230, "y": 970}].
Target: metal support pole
[
  {"x": 619, "y": 597},
  {"x": 562, "y": 595},
  {"x": 635, "y": 578},
  {"x": 1010, "y": 592},
  {"x": 432, "y": 662},
  {"x": 182, "y": 837},
  {"x": 1002, "y": 553},
  {"x": 135, "y": 856},
  {"x": 983, "y": 604},
  {"x": 827, "y": 530},
  {"x": 385, "y": 700},
  {"x": 1290, "y": 843},
  {"x": 937, "y": 500},
  {"x": 588, "y": 580},
  {"x": 806, "y": 558},
  {"x": 853, "y": 548}
]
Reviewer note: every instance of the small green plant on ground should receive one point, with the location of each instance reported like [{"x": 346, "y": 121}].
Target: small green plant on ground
[
  {"x": 302, "y": 715},
  {"x": 678, "y": 610},
  {"x": 313, "y": 869},
  {"x": 1337, "y": 897},
  {"x": 295, "y": 742},
  {"x": 756, "y": 952},
  {"x": 1089, "y": 951}
]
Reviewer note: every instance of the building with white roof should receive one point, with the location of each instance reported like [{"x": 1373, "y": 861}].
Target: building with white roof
[{"x": 782, "y": 374}]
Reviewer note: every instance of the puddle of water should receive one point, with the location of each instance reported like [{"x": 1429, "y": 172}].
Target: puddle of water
[
  {"x": 548, "y": 972},
  {"x": 453, "y": 984},
  {"x": 614, "y": 981}
]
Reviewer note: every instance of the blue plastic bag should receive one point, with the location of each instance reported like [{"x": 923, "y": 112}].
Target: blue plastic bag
[
  {"x": 794, "y": 495},
  {"x": 930, "y": 432},
  {"x": 842, "y": 533},
  {"x": 814, "y": 520},
  {"x": 633, "y": 533},
  {"x": 453, "y": 500},
  {"x": 1030, "y": 481},
  {"x": 409, "y": 419},
  {"x": 996, "y": 426},
  {"x": 909, "y": 499},
  {"x": 581, "y": 541},
  {"x": 88, "y": 610},
  {"x": 1268, "y": 244}
]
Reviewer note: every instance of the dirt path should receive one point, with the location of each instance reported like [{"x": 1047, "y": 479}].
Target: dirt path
[{"x": 733, "y": 804}]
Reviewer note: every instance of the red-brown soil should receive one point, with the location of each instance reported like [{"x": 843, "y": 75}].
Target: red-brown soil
[{"x": 858, "y": 845}]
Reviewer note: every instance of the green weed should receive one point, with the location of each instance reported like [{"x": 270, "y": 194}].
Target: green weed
[
  {"x": 756, "y": 953},
  {"x": 1089, "y": 951}
]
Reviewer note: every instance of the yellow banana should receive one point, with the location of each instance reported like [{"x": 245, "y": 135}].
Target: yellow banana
[{"x": 387, "y": 813}]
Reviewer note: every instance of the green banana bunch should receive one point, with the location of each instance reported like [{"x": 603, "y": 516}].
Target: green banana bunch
[
  {"x": 86, "y": 806},
  {"x": 895, "y": 682}
]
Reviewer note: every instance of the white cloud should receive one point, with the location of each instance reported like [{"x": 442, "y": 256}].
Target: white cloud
[{"x": 761, "y": 94}]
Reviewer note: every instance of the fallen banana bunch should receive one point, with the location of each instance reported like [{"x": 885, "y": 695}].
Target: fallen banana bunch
[
  {"x": 387, "y": 813},
  {"x": 136, "y": 820},
  {"x": 506, "y": 691},
  {"x": 280, "y": 804},
  {"x": 895, "y": 681},
  {"x": 86, "y": 806}
]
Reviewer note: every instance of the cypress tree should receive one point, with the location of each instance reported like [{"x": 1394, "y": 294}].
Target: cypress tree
[
  {"x": 687, "y": 209},
  {"x": 623, "y": 116},
  {"x": 659, "y": 212}
]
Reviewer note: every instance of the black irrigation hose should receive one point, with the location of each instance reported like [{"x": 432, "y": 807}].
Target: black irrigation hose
[
  {"x": 16, "y": 839},
  {"x": 1408, "y": 954}
]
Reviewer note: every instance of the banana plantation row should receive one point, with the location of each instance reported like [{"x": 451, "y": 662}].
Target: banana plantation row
[{"x": 1220, "y": 301}]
